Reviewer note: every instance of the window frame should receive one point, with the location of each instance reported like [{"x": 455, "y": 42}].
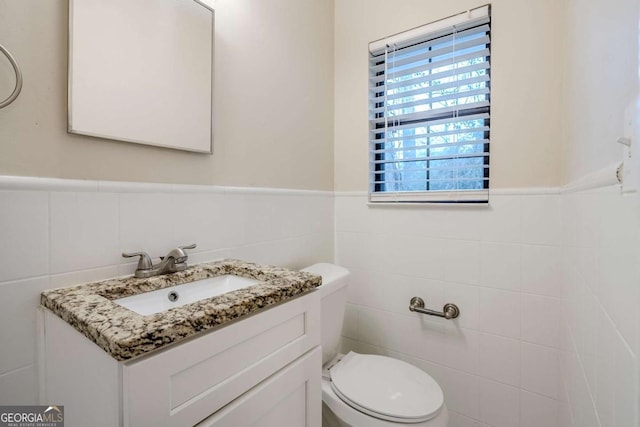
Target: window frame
[{"x": 428, "y": 34}]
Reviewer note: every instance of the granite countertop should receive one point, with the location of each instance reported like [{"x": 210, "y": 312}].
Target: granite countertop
[{"x": 124, "y": 334}]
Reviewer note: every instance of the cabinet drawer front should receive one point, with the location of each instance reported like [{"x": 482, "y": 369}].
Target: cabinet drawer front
[
  {"x": 186, "y": 383},
  {"x": 292, "y": 397},
  {"x": 199, "y": 378}
]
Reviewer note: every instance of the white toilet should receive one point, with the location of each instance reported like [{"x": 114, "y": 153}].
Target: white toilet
[{"x": 363, "y": 390}]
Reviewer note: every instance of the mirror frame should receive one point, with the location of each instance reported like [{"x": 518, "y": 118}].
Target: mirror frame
[{"x": 70, "y": 129}]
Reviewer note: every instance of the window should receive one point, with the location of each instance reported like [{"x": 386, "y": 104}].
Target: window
[{"x": 429, "y": 112}]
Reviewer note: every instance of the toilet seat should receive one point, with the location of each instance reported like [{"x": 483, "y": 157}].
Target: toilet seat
[{"x": 386, "y": 388}]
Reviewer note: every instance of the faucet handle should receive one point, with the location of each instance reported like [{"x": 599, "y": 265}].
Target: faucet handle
[
  {"x": 144, "y": 263},
  {"x": 178, "y": 254}
]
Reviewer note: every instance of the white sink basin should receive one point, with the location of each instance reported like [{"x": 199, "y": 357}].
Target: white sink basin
[{"x": 177, "y": 296}]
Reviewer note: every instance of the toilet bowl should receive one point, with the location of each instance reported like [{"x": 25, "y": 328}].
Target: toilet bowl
[
  {"x": 363, "y": 390},
  {"x": 378, "y": 391}
]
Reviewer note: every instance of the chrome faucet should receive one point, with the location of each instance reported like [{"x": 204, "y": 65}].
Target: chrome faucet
[{"x": 175, "y": 260}]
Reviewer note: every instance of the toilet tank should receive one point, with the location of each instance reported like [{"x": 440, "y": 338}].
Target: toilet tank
[{"x": 333, "y": 295}]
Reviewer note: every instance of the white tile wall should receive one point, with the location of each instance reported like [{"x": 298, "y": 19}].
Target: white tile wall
[
  {"x": 19, "y": 387},
  {"x": 148, "y": 222},
  {"x": 501, "y": 265},
  {"x": 499, "y": 362},
  {"x": 500, "y": 359},
  {"x": 24, "y": 227},
  {"x": 540, "y": 220},
  {"x": 462, "y": 272},
  {"x": 537, "y": 410},
  {"x": 77, "y": 222},
  {"x": 541, "y": 370},
  {"x": 602, "y": 299},
  {"x": 503, "y": 220},
  {"x": 499, "y": 404},
  {"x": 60, "y": 238},
  {"x": 542, "y": 270},
  {"x": 224, "y": 220},
  {"x": 499, "y": 312},
  {"x": 530, "y": 257},
  {"x": 540, "y": 320},
  {"x": 18, "y": 308}
]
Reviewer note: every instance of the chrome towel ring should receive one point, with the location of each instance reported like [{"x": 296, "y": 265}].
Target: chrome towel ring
[{"x": 18, "y": 88}]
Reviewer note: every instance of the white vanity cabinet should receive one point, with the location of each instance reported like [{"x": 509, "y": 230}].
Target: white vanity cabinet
[{"x": 263, "y": 370}]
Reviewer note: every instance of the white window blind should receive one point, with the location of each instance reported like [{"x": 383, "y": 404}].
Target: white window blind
[{"x": 429, "y": 112}]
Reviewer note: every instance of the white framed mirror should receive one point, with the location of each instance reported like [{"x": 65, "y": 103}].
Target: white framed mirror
[{"x": 142, "y": 71}]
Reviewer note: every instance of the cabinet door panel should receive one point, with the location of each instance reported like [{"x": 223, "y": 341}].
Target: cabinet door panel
[
  {"x": 290, "y": 411},
  {"x": 291, "y": 397}
]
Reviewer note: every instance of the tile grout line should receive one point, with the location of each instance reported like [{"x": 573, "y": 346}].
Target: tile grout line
[{"x": 14, "y": 370}]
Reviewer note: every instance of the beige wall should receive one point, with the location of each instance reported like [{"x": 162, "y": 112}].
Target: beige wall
[
  {"x": 526, "y": 111},
  {"x": 602, "y": 69},
  {"x": 273, "y": 101}
]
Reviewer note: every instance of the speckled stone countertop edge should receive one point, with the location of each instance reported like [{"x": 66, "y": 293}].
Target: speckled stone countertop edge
[{"x": 124, "y": 334}]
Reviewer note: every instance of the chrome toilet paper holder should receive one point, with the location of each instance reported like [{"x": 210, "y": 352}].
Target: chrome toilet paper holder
[{"x": 449, "y": 311}]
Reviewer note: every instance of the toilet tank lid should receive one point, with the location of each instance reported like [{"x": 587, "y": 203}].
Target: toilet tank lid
[{"x": 330, "y": 273}]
